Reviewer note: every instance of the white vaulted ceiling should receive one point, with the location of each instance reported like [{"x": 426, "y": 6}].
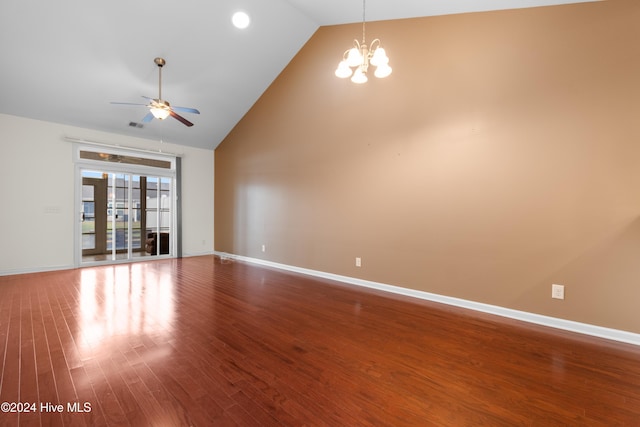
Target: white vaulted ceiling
[{"x": 64, "y": 61}]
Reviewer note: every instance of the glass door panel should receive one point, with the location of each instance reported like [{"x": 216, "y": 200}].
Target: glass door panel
[
  {"x": 136, "y": 213},
  {"x": 164, "y": 205},
  {"x": 119, "y": 195},
  {"x": 88, "y": 217},
  {"x": 125, "y": 216},
  {"x": 151, "y": 216},
  {"x": 93, "y": 213},
  {"x": 158, "y": 215}
]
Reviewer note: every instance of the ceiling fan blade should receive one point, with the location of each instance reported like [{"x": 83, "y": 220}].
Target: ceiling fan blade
[
  {"x": 147, "y": 118},
  {"x": 185, "y": 110},
  {"x": 128, "y": 103},
  {"x": 180, "y": 119}
]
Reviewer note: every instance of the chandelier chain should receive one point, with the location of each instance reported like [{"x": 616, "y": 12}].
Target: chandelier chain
[{"x": 363, "y": 20}]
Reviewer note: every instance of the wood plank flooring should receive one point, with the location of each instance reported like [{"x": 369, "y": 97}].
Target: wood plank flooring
[{"x": 200, "y": 342}]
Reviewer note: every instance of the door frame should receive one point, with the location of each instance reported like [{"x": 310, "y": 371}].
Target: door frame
[{"x": 81, "y": 164}]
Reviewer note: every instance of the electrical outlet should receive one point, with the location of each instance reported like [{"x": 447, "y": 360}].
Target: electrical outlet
[
  {"x": 557, "y": 291},
  {"x": 264, "y": 248},
  {"x": 358, "y": 262}
]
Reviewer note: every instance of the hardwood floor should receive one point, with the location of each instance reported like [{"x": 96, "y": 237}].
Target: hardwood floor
[{"x": 197, "y": 342}]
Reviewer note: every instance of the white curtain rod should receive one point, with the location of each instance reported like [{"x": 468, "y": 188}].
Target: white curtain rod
[{"x": 121, "y": 147}]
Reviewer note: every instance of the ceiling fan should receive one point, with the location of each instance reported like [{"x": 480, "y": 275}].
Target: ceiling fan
[{"x": 158, "y": 107}]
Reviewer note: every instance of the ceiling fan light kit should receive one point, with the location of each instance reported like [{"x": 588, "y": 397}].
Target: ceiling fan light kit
[
  {"x": 160, "y": 112},
  {"x": 158, "y": 107}
]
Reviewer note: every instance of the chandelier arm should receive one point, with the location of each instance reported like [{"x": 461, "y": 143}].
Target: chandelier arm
[{"x": 373, "y": 46}]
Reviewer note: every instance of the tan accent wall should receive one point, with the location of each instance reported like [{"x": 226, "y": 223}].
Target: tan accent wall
[{"x": 501, "y": 156}]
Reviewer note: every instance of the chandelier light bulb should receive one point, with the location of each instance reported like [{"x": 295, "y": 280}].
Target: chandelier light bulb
[
  {"x": 379, "y": 57},
  {"x": 382, "y": 71},
  {"x": 354, "y": 57},
  {"x": 343, "y": 71},
  {"x": 359, "y": 76}
]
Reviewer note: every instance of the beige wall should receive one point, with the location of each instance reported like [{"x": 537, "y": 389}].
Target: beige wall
[{"x": 501, "y": 156}]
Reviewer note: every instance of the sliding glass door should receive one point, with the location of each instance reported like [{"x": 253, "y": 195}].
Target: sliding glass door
[
  {"x": 159, "y": 216},
  {"x": 94, "y": 197},
  {"x": 126, "y": 211}
]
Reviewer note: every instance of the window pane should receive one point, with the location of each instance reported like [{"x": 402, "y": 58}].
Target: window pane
[
  {"x": 87, "y": 192},
  {"x": 118, "y": 158},
  {"x": 88, "y": 241}
]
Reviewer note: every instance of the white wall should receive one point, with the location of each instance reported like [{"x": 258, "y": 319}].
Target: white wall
[{"x": 37, "y": 200}]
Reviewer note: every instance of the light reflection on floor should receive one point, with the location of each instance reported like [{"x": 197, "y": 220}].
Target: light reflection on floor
[{"x": 123, "y": 303}]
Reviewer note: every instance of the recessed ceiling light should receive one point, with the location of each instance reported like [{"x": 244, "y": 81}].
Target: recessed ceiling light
[{"x": 240, "y": 20}]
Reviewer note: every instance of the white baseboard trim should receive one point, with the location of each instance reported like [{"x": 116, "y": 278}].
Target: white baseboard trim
[
  {"x": 553, "y": 322},
  {"x": 35, "y": 270},
  {"x": 194, "y": 254},
  {"x": 92, "y": 264}
]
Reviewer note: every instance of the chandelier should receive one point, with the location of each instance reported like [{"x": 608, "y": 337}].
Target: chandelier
[{"x": 360, "y": 56}]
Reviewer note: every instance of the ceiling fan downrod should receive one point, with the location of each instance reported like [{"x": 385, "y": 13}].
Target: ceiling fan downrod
[{"x": 160, "y": 62}]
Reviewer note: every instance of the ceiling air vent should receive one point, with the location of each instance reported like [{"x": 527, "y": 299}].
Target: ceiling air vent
[{"x": 136, "y": 125}]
